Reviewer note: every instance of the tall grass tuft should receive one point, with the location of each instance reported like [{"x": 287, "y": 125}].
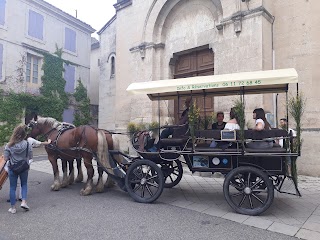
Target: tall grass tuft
[
  {"x": 239, "y": 110},
  {"x": 296, "y": 107}
]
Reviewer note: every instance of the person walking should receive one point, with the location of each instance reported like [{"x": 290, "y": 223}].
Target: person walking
[{"x": 18, "y": 152}]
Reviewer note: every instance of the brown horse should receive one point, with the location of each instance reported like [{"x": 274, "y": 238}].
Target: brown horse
[{"x": 68, "y": 144}]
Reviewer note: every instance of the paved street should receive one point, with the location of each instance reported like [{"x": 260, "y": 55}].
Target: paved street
[
  {"x": 112, "y": 215},
  {"x": 196, "y": 196}
]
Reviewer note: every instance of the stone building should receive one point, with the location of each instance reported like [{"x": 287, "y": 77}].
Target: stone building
[
  {"x": 30, "y": 26},
  {"x": 164, "y": 39}
]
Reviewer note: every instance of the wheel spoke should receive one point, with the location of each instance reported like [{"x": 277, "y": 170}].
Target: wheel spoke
[
  {"x": 137, "y": 174},
  {"x": 241, "y": 180},
  {"x": 256, "y": 197},
  {"x": 155, "y": 184},
  {"x": 237, "y": 194},
  {"x": 142, "y": 191},
  {"x": 171, "y": 178},
  {"x": 250, "y": 201},
  {"x": 260, "y": 190},
  {"x": 239, "y": 188},
  {"x": 242, "y": 200},
  {"x": 149, "y": 190},
  {"x": 147, "y": 173},
  {"x": 135, "y": 181},
  {"x": 152, "y": 177},
  {"x": 256, "y": 183},
  {"x": 248, "y": 181},
  {"x": 137, "y": 188}
]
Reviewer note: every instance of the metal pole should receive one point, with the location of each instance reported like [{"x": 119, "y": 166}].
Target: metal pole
[
  {"x": 204, "y": 108},
  {"x": 159, "y": 117}
]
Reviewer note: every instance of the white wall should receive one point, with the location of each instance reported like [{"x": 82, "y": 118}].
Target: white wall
[{"x": 15, "y": 34}]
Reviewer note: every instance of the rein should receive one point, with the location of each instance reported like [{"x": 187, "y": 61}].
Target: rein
[{"x": 47, "y": 134}]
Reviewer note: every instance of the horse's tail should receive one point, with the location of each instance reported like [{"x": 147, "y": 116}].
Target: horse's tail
[{"x": 103, "y": 152}]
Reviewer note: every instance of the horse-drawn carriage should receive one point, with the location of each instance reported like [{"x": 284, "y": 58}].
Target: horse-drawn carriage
[{"x": 251, "y": 175}]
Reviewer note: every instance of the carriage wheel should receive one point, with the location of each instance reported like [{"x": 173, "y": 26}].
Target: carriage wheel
[
  {"x": 172, "y": 172},
  {"x": 144, "y": 181},
  {"x": 248, "y": 190}
]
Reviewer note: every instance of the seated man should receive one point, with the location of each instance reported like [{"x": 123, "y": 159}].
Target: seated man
[
  {"x": 182, "y": 120},
  {"x": 283, "y": 125},
  {"x": 220, "y": 124}
]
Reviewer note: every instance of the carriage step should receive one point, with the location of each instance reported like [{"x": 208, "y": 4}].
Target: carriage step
[{"x": 288, "y": 186}]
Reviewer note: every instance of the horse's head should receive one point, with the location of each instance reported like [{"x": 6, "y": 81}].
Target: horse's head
[{"x": 41, "y": 126}]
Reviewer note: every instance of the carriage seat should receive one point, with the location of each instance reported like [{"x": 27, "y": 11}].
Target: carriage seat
[
  {"x": 166, "y": 142},
  {"x": 248, "y": 134},
  {"x": 266, "y": 150}
]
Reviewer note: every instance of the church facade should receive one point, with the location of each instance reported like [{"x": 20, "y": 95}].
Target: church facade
[{"x": 165, "y": 39}]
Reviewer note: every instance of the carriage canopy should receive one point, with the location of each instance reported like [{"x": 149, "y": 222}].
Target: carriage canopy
[{"x": 271, "y": 81}]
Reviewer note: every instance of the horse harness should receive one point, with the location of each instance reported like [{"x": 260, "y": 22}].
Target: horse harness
[{"x": 61, "y": 130}]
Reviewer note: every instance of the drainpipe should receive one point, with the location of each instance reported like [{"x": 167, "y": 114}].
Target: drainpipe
[{"x": 275, "y": 95}]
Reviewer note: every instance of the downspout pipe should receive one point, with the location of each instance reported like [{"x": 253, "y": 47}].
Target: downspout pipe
[{"x": 275, "y": 96}]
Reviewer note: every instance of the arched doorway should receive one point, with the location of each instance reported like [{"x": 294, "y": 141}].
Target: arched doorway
[{"x": 191, "y": 63}]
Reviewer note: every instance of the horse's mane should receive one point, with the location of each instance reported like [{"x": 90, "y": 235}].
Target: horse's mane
[
  {"x": 48, "y": 121},
  {"x": 53, "y": 123}
]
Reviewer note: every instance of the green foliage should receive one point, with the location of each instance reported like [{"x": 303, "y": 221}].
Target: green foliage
[
  {"x": 136, "y": 127},
  {"x": 53, "y": 82},
  {"x": 205, "y": 122},
  {"x": 239, "y": 111},
  {"x": 11, "y": 113},
  {"x": 82, "y": 114},
  {"x": 194, "y": 119},
  {"x": 52, "y": 102},
  {"x": 296, "y": 106}
]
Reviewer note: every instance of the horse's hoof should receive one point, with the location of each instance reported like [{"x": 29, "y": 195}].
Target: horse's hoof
[
  {"x": 64, "y": 184},
  {"x": 109, "y": 183},
  {"x": 100, "y": 189},
  {"x": 55, "y": 187},
  {"x": 79, "y": 179},
  {"x": 85, "y": 192},
  {"x": 71, "y": 181}
]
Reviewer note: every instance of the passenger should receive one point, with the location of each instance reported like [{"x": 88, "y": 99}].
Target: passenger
[
  {"x": 261, "y": 124},
  {"x": 182, "y": 120},
  {"x": 232, "y": 124},
  {"x": 220, "y": 124}
]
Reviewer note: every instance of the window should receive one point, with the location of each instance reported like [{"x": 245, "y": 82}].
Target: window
[
  {"x": 2, "y": 12},
  {"x": 70, "y": 40},
  {"x": 35, "y": 27},
  {"x": 68, "y": 115},
  {"x": 112, "y": 66},
  {"x": 1, "y": 59},
  {"x": 69, "y": 76},
  {"x": 33, "y": 66}
]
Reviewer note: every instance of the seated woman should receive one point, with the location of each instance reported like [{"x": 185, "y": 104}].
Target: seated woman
[
  {"x": 232, "y": 124},
  {"x": 261, "y": 125}
]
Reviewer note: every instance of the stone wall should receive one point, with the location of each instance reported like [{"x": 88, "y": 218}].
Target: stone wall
[{"x": 257, "y": 35}]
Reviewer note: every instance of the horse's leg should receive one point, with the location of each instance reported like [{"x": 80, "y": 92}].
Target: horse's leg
[
  {"x": 109, "y": 183},
  {"x": 71, "y": 172},
  {"x": 100, "y": 186},
  {"x": 56, "y": 182},
  {"x": 87, "y": 189},
  {"x": 80, "y": 173},
  {"x": 65, "y": 173}
]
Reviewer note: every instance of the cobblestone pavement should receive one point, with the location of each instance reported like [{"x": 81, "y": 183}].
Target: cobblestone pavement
[{"x": 290, "y": 215}]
